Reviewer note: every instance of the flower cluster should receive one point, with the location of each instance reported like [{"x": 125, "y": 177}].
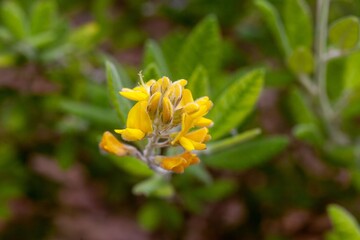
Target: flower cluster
[{"x": 165, "y": 113}]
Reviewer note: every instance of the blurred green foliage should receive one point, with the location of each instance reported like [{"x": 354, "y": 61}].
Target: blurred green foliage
[{"x": 276, "y": 150}]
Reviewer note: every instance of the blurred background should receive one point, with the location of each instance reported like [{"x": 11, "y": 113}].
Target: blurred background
[{"x": 54, "y": 106}]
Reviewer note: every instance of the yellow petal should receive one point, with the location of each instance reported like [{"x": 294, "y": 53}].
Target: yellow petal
[
  {"x": 110, "y": 144},
  {"x": 164, "y": 82},
  {"x": 198, "y": 135},
  {"x": 168, "y": 111},
  {"x": 131, "y": 134},
  {"x": 174, "y": 93},
  {"x": 153, "y": 104},
  {"x": 133, "y": 95},
  {"x": 186, "y": 124},
  {"x": 182, "y": 82},
  {"x": 187, "y": 144},
  {"x": 138, "y": 118},
  {"x": 203, "y": 122},
  {"x": 186, "y": 97},
  {"x": 191, "y": 108}
]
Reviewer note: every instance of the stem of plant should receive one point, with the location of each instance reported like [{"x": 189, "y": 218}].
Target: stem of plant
[{"x": 327, "y": 112}]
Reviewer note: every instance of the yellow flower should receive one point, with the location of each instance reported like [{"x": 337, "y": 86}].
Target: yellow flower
[
  {"x": 165, "y": 113},
  {"x": 110, "y": 144},
  {"x": 139, "y": 93},
  {"x": 179, "y": 162},
  {"x": 138, "y": 123}
]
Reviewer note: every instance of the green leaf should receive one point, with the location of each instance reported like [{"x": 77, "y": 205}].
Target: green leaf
[
  {"x": 132, "y": 166},
  {"x": 344, "y": 33},
  {"x": 275, "y": 24},
  {"x": 199, "y": 172},
  {"x": 13, "y": 17},
  {"x": 115, "y": 82},
  {"x": 151, "y": 72},
  {"x": 154, "y": 54},
  {"x": 301, "y": 60},
  {"x": 201, "y": 47},
  {"x": 216, "y": 191},
  {"x": 298, "y": 23},
  {"x": 84, "y": 37},
  {"x": 43, "y": 16},
  {"x": 248, "y": 154},
  {"x": 199, "y": 82},
  {"x": 344, "y": 224},
  {"x": 154, "y": 186},
  {"x": 344, "y": 156},
  {"x": 89, "y": 112},
  {"x": 236, "y": 102},
  {"x": 215, "y": 147},
  {"x": 352, "y": 72}
]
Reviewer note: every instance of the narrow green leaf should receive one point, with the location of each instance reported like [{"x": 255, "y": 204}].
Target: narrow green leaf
[
  {"x": 13, "y": 17},
  {"x": 275, "y": 24},
  {"x": 89, "y": 112},
  {"x": 199, "y": 82},
  {"x": 301, "y": 60},
  {"x": 248, "y": 154},
  {"x": 202, "y": 47},
  {"x": 132, "y": 166},
  {"x": 43, "y": 16},
  {"x": 222, "y": 145},
  {"x": 151, "y": 72},
  {"x": 352, "y": 72},
  {"x": 344, "y": 33},
  {"x": 154, "y": 54},
  {"x": 344, "y": 224},
  {"x": 236, "y": 102},
  {"x": 115, "y": 83},
  {"x": 298, "y": 23}
]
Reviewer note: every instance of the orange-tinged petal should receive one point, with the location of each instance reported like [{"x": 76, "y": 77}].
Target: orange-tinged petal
[
  {"x": 191, "y": 158},
  {"x": 110, "y": 144},
  {"x": 169, "y": 163},
  {"x": 131, "y": 134},
  {"x": 139, "y": 118},
  {"x": 179, "y": 162}
]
